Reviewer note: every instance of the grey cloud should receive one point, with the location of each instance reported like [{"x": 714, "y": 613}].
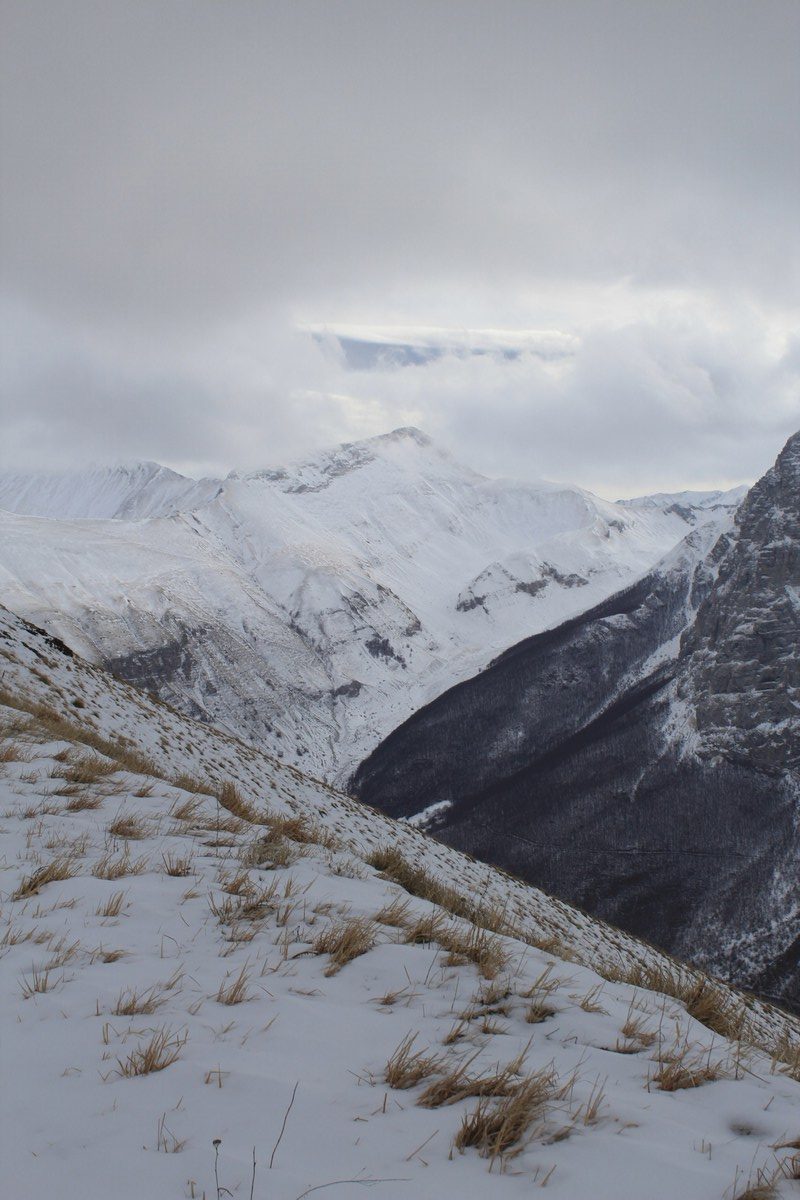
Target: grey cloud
[
  {"x": 642, "y": 407},
  {"x": 188, "y": 183}
]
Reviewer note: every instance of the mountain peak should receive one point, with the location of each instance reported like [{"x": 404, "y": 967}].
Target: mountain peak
[
  {"x": 404, "y": 433},
  {"x": 788, "y": 461},
  {"x": 399, "y": 449}
]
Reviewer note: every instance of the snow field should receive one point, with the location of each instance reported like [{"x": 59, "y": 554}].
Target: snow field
[
  {"x": 245, "y": 924},
  {"x": 113, "y": 789}
]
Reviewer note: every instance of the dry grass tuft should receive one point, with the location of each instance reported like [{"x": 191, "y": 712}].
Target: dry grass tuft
[
  {"x": 178, "y": 865},
  {"x": 14, "y": 753},
  {"x": 463, "y": 943},
  {"x": 234, "y": 991},
  {"x": 766, "y": 1184},
  {"x": 83, "y": 802},
  {"x": 426, "y": 929},
  {"x": 457, "y": 1031},
  {"x": 107, "y": 956},
  {"x": 269, "y": 852},
  {"x": 635, "y": 1033},
  {"x": 88, "y": 769},
  {"x": 457, "y": 1084},
  {"x": 232, "y": 799},
  {"x": 239, "y": 884},
  {"x": 188, "y": 810},
  {"x": 131, "y": 1003},
  {"x": 255, "y": 904},
  {"x": 33, "y": 811},
  {"x": 38, "y": 981},
  {"x": 166, "y": 1141},
  {"x": 394, "y": 914},
  {"x": 57, "y": 728},
  {"x": 128, "y": 827},
  {"x": 478, "y": 946},
  {"x": 302, "y": 830},
  {"x": 589, "y": 1002},
  {"x": 715, "y": 1009},
  {"x": 762, "y": 1186},
  {"x": 791, "y": 1167},
  {"x": 589, "y": 1113},
  {"x": 490, "y": 917},
  {"x": 224, "y": 824},
  {"x": 295, "y": 828},
  {"x": 163, "y": 1049},
  {"x": 60, "y": 868},
  {"x": 538, "y": 1011},
  {"x": 491, "y": 1027},
  {"x": 61, "y": 952},
  {"x": 112, "y": 907},
  {"x": 493, "y": 996},
  {"x": 189, "y": 783},
  {"x": 543, "y": 985},
  {"x": 13, "y": 937},
  {"x": 419, "y": 882},
  {"x": 407, "y": 1067},
  {"x": 227, "y": 911},
  {"x": 109, "y": 867},
  {"x": 684, "y": 1070},
  {"x": 344, "y": 941},
  {"x": 496, "y": 1129},
  {"x": 719, "y": 1008},
  {"x": 392, "y": 997},
  {"x": 786, "y": 1057}
]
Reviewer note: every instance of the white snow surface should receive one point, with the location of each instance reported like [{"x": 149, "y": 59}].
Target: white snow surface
[
  {"x": 320, "y": 605},
  {"x": 73, "y": 1126}
]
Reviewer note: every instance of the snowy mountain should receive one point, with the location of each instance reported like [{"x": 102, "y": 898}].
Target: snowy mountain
[
  {"x": 220, "y": 976},
  {"x": 643, "y": 759},
  {"x": 142, "y": 489},
  {"x": 313, "y": 608}
]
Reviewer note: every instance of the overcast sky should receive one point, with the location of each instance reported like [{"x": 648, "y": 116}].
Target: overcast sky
[{"x": 188, "y": 186}]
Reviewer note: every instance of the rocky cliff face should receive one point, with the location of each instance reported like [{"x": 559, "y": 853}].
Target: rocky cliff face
[
  {"x": 742, "y": 655},
  {"x": 650, "y": 778}
]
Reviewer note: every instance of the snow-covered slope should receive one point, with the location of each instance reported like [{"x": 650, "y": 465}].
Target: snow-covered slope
[
  {"x": 313, "y": 608},
  {"x": 688, "y": 505},
  {"x": 189, "y": 989},
  {"x": 142, "y": 489}
]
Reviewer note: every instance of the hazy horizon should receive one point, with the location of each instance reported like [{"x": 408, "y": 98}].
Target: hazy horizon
[{"x": 315, "y": 450}]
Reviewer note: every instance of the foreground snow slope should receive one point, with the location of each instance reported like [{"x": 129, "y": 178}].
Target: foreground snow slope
[
  {"x": 313, "y": 608},
  {"x": 173, "y": 928}
]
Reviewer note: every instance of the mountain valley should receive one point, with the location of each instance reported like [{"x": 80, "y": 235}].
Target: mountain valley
[{"x": 642, "y": 759}]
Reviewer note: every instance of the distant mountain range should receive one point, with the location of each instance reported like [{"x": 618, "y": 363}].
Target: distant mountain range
[
  {"x": 313, "y": 608},
  {"x": 642, "y": 758}
]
